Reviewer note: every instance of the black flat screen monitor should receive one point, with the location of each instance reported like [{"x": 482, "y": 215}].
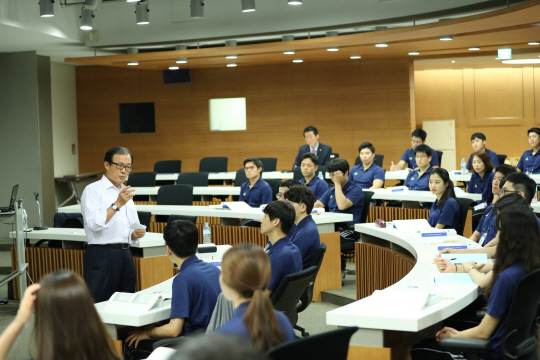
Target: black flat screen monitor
[{"x": 137, "y": 118}]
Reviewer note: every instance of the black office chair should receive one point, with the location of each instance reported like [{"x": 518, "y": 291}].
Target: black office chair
[
  {"x": 172, "y": 218},
  {"x": 63, "y": 220},
  {"x": 328, "y": 345},
  {"x": 357, "y": 161},
  {"x": 269, "y": 164},
  {"x": 307, "y": 296},
  {"x": 297, "y": 173},
  {"x": 501, "y": 158},
  {"x": 240, "y": 177},
  {"x": 274, "y": 184},
  {"x": 378, "y": 159},
  {"x": 439, "y": 155},
  {"x": 144, "y": 218},
  {"x": 464, "y": 205},
  {"x": 168, "y": 167},
  {"x": 143, "y": 179},
  {"x": 519, "y": 339},
  {"x": 174, "y": 195},
  {"x": 213, "y": 164},
  {"x": 287, "y": 294},
  {"x": 195, "y": 179}
]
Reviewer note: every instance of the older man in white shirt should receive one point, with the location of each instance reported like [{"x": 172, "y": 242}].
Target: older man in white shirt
[{"x": 109, "y": 212}]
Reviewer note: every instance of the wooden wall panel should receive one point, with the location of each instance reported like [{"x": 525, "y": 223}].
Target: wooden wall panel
[
  {"x": 439, "y": 94},
  {"x": 498, "y": 93},
  {"x": 349, "y": 102}
]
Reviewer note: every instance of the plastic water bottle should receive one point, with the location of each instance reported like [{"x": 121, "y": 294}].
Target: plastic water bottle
[
  {"x": 463, "y": 166},
  {"x": 535, "y": 197},
  {"x": 321, "y": 176},
  {"x": 206, "y": 234}
]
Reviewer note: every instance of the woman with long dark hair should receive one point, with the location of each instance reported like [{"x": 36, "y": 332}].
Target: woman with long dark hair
[
  {"x": 245, "y": 274},
  {"x": 444, "y": 212},
  {"x": 67, "y": 325},
  {"x": 482, "y": 177}
]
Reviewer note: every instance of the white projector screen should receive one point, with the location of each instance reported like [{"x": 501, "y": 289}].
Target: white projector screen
[{"x": 227, "y": 114}]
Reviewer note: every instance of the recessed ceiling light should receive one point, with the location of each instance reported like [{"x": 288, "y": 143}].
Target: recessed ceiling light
[
  {"x": 181, "y": 60},
  {"x": 414, "y": 52},
  {"x": 232, "y": 56},
  {"x": 446, "y": 37},
  {"x": 298, "y": 60},
  {"x": 383, "y": 44},
  {"x": 474, "y": 48},
  {"x": 231, "y": 65},
  {"x": 288, "y": 52},
  {"x": 294, "y": 2},
  {"x": 332, "y": 48},
  {"x": 133, "y": 62},
  {"x": 173, "y": 68},
  {"x": 248, "y": 5},
  {"x": 522, "y": 61},
  {"x": 356, "y": 56},
  {"x": 453, "y": 61},
  {"x": 534, "y": 43}
]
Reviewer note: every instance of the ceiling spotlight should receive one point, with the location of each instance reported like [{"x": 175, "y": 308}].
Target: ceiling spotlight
[
  {"x": 230, "y": 43},
  {"x": 142, "y": 13},
  {"x": 332, "y": 48},
  {"x": 453, "y": 61},
  {"x": 356, "y": 56},
  {"x": 181, "y": 47},
  {"x": 294, "y": 2},
  {"x": 332, "y": 33},
  {"x": 380, "y": 27},
  {"x": 132, "y": 51},
  {"x": 231, "y": 65},
  {"x": 474, "y": 48},
  {"x": 181, "y": 61},
  {"x": 92, "y": 4},
  {"x": 86, "y": 17},
  {"x": 248, "y": 5},
  {"x": 133, "y": 62},
  {"x": 414, "y": 52},
  {"x": 298, "y": 60},
  {"x": 446, "y": 37},
  {"x": 530, "y": 42},
  {"x": 173, "y": 68},
  {"x": 232, "y": 56},
  {"x": 197, "y": 9},
  {"x": 287, "y": 37},
  {"x": 288, "y": 52},
  {"x": 46, "y": 8},
  {"x": 384, "y": 44}
]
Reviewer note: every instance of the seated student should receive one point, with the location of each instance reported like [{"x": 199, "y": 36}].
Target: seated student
[
  {"x": 419, "y": 179},
  {"x": 309, "y": 166},
  {"x": 305, "y": 235},
  {"x": 219, "y": 346},
  {"x": 518, "y": 254},
  {"x": 255, "y": 191},
  {"x": 408, "y": 158},
  {"x": 285, "y": 185},
  {"x": 285, "y": 258},
  {"x": 367, "y": 174},
  {"x": 529, "y": 163},
  {"x": 245, "y": 274},
  {"x": 500, "y": 171},
  {"x": 478, "y": 141},
  {"x": 482, "y": 178},
  {"x": 62, "y": 304},
  {"x": 194, "y": 291},
  {"x": 313, "y": 146},
  {"x": 444, "y": 212},
  {"x": 345, "y": 196}
]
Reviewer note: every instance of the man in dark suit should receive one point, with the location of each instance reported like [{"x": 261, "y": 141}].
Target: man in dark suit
[{"x": 313, "y": 146}]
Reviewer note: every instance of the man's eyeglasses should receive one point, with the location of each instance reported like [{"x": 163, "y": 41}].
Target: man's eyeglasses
[
  {"x": 122, "y": 166},
  {"x": 505, "y": 192},
  {"x": 279, "y": 196}
]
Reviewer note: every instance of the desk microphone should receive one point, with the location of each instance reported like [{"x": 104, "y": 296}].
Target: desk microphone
[{"x": 40, "y": 227}]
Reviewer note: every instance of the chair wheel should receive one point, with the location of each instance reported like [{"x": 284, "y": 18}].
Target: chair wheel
[{"x": 306, "y": 334}]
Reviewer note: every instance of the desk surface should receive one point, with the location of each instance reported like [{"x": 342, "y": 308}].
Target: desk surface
[
  {"x": 77, "y": 177},
  {"x": 414, "y": 195},
  {"x": 368, "y": 314},
  {"x": 197, "y": 190},
  {"x": 231, "y": 176}
]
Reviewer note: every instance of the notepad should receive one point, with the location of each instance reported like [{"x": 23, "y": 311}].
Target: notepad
[
  {"x": 237, "y": 206},
  {"x": 461, "y": 258},
  {"x": 453, "y": 279},
  {"x": 412, "y": 225},
  {"x": 409, "y": 300}
]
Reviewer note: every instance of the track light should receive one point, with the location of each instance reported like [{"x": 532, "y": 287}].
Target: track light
[
  {"x": 383, "y": 44},
  {"x": 474, "y": 48},
  {"x": 87, "y": 16},
  {"x": 132, "y": 51},
  {"x": 414, "y": 52},
  {"x": 173, "y": 68},
  {"x": 142, "y": 13},
  {"x": 181, "y": 60},
  {"x": 248, "y": 5},
  {"x": 232, "y": 56},
  {"x": 332, "y": 48},
  {"x": 288, "y": 52},
  {"x": 446, "y": 37},
  {"x": 197, "y": 9},
  {"x": 231, "y": 65},
  {"x": 230, "y": 43},
  {"x": 530, "y": 42},
  {"x": 92, "y": 4},
  {"x": 356, "y": 56},
  {"x": 294, "y": 2},
  {"x": 46, "y": 8},
  {"x": 298, "y": 60},
  {"x": 136, "y": 62}
]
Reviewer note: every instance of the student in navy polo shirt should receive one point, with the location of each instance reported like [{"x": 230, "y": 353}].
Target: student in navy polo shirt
[
  {"x": 255, "y": 191},
  {"x": 529, "y": 162},
  {"x": 285, "y": 185},
  {"x": 482, "y": 177},
  {"x": 518, "y": 254},
  {"x": 285, "y": 258},
  {"x": 368, "y": 174},
  {"x": 345, "y": 196},
  {"x": 419, "y": 179},
  {"x": 478, "y": 142},
  {"x": 310, "y": 165},
  {"x": 194, "y": 290},
  {"x": 408, "y": 158},
  {"x": 305, "y": 234},
  {"x": 245, "y": 275},
  {"x": 444, "y": 212}
]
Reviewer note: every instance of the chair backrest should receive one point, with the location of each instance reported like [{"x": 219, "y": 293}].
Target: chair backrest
[
  {"x": 240, "y": 177},
  {"x": 172, "y": 218},
  {"x": 521, "y": 327},
  {"x": 358, "y": 161},
  {"x": 175, "y": 195},
  {"x": 193, "y": 178},
  {"x": 297, "y": 173},
  {"x": 287, "y": 294},
  {"x": 274, "y": 184},
  {"x": 142, "y": 179},
  {"x": 328, "y": 345},
  {"x": 365, "y": 211},
  {"x": 378, "y": 159},
  {"x": 168, "y": 167},
  {"x": 144, "y": 218},
  {"x": 317, "y": 260},
  {"x": 439, "y": 155},
  {"x": 501, "y": 158},
  {"x": 269, "y": 164},
  {"x": 68, "y": 220},
  {"x": 333, "y": 156},
  {"x": 213, "y": 164},
  {"x": 464, "y": 205}
]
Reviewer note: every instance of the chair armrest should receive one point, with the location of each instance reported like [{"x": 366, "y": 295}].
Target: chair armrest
[
  {"x": 465, "y": 345},
  {"x": 481, "y": 313},
  {"x": 169, "y": 342}
]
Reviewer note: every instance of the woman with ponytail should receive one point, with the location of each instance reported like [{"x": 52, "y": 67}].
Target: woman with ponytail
[{"x": 245, "y": 274}]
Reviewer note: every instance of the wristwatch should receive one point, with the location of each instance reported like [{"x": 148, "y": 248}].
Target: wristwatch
[
  {"x": 114, "y": 207},
  {"x": 472, "y": 267}
]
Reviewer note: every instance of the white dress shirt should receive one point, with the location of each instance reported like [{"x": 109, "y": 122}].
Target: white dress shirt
[
  {"x": 315, "y": 148},
  {"x": 96, "y": 199}
]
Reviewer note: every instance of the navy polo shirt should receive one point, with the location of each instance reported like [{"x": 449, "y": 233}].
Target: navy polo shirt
[
  {"x": 529, "y": 162},
  {"x": 306, "y": 238},
  {"x": 499, "y": 305},
  {"x": 260, "y": 193},
  {"x": 486, "y": 226},
  {"x": 365, "y": 177},
  {"x": 285, "y": 259},
  {"x": 410, "y": 159},
  {"x": 316, "y": 185},
  {"x": 492, "y": 156},
  {"x": 194, "y": 294},
  {"x": 415, "y": 181},
  {"x": 482, "y": 186},
  {"x": 448, "y": 215},
  {"x": 354, "y": 193},
  {"x": 237, "y": 325}
]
